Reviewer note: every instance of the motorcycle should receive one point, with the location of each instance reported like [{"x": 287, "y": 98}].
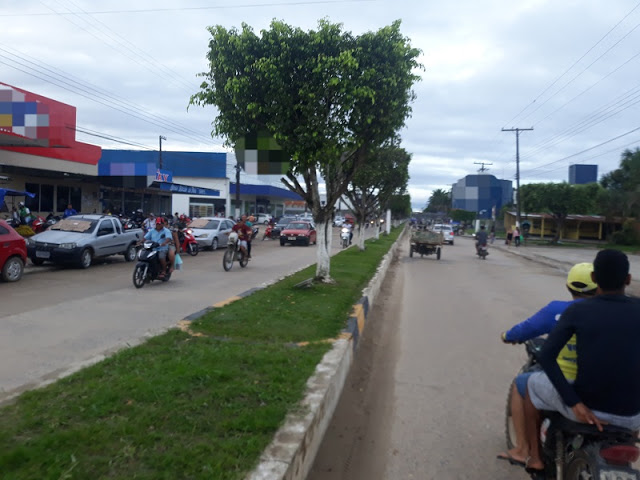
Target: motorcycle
[
  {"x": 39, "y": 224},
  {"x": 576, "y": 451},
  {"x": 345, "y": 237},
  {"x": 148, "y": 267},
  {"x": 233, "y": 253},
  {"x": 188, "y": 242},
  {"x": 254, "y": 232},
  {"x": 482, "y": 251}
]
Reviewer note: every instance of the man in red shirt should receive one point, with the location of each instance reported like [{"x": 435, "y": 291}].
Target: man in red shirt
[{"x": 244, "y": 234}]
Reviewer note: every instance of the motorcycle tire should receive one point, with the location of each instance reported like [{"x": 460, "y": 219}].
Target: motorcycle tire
[
  {"x": 227, "y": 260},
  {"x": 193, "y": 249},
  {"x": 244, "y": 260},
  {"x": 438, "y": 254},
  {"x": 509, "y": 429},
  {"x": 581, "y": 466},
  {"x": 138, "y": 276},
  {"x": 411, "y": 252}
]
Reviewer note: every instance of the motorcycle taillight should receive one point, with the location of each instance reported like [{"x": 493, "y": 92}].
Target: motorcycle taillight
[{"x": 620, "y": 454}]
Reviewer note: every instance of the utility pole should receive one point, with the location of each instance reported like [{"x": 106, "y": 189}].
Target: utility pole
[
  {"x": 160, "y": 151},
  {"x": 517, "y": 130},
  {"x": 482, "y": 164},
  {"x": 238, "y": 168}
]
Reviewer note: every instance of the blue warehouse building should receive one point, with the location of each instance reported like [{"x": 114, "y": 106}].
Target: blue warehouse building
[
  {"x": 581, "y": 174},
  {"x": 481, "y": 193}
]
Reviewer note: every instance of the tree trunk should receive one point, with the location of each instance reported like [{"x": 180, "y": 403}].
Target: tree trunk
[
  {"x": 377, "y": 227},
  {"x": 361, "y": 237},
  {"x": 559, "y": 227},
  {"x": 324, "y": 236}
]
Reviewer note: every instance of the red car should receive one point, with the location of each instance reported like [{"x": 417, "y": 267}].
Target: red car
[
  {"x": 13, "y": 253},
  {"x": 298, "y": 231}
]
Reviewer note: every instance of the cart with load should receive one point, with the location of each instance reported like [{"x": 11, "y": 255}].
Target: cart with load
[{"x": 426, "y": 242}]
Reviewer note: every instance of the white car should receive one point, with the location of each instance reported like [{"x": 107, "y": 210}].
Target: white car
[
  {"x": 263, "y": 218},
  {"x": 338, "y": 221},
  {"x": 447, "y": 232},
  {"x": 306, "y": 217},
  {"x": 211, "y": 232}
]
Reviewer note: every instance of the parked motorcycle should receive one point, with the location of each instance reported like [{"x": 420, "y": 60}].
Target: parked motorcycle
[
  {"x": 188, "y": 242},
  {"x": 271, "y": 232},
  {"x": 482, "y": 251},
  {"x": 148, "y": 267},
  {"x": 577, "y": 451},
  {"x": 344, "y": 237},
  {"x": 233, "y": 253},
  {"x": 39, "y": 224}
]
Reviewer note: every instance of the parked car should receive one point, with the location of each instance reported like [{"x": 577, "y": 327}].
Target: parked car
[
  {"x": 338, "y": 221},
  {"x": 446, "y": 230},
  {"x": 211, "y": 232},
  {"x": 298, "y": 232},
  {"x": 306, "y": 216},
  {"x": 81, "y": 238},
  {"x": 262, "y": 218},
  {"x": 13, "y": 253}
]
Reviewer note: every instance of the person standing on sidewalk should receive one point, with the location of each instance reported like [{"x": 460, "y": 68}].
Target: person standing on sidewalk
[
  {"x": 516, "y": 236},
  {"x": 492, "y": 234}
]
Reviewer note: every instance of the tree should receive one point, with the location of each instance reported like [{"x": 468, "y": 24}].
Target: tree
[
  {"x": 622, "y": 197},
  {"x": 385, "y": 173},
  {"x": 327, "y": 97},
  {"x": 559, "y": 200},
  {"x": 439, "y": 201},
  {"x": 463, "y": 216},
  {"x": 400, "y": 205}
]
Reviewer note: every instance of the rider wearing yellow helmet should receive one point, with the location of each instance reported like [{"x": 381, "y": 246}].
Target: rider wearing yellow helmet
[{"x": 580, "y": 285}]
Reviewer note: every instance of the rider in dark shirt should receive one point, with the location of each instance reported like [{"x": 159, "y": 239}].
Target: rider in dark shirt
[
  {"x": 481, "y": 237},
  {"x": 607, "y": 385}
]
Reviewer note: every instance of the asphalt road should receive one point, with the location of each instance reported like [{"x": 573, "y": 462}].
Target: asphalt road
[
  {"x": 426, "y": 396},
  {"x": 57, "y": 319}
]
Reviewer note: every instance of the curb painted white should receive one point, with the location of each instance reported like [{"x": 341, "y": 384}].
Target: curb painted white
[{"x": 293, "y": 449}]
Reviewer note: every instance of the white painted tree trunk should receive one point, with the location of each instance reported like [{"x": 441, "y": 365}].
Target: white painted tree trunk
[
  {"x": 324, "y": 236},
  {"x": 360, "y": 237},
  {"x": 377, "y": 230}
]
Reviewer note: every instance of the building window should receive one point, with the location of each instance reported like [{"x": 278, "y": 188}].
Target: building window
[
  {"x": 43, "y": 201},
  {"x": 69, "y": 195},
  {"x": 205, "y": 207}
]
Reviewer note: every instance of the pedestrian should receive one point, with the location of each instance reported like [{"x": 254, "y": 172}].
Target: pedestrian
[
  {"x": 15, "y": 216},
  {"x": 149, "y": 223},
  {"x": 25, "y": 214},
  {"x": 69, "y": 211},
  {"x": 509, "y": 237},
  {"x": 492, "y": 234},
  {"x": 516, "y": 236}
]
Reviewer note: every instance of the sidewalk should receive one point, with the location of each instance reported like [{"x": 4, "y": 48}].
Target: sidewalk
[{"x": 563, "y": 258}]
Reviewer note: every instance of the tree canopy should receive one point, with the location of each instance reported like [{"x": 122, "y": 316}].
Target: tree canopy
[
  {"x": 328, "y": 98},
  {"x": 439, "y": 201}
]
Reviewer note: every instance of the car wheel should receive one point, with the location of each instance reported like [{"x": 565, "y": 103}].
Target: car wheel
[
  {"x": 214, "y": 244},
  {"x": 13, "y": 269},
  {"x": 130, "y": 254},
  {"x": 85, "y": 258},
  {"x": 37, "y": 261}
]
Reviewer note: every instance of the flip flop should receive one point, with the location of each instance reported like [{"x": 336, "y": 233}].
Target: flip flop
[
  {"x": 511, "y": 460},
  {"x": 535, "y": 473}
]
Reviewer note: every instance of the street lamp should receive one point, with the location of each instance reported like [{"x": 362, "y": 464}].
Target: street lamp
[{"x": 161, "y": 137}]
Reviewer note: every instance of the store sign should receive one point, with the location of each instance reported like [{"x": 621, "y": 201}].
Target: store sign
[
  {"x": 189, "y": 190},
  {"x": 164, "y": 176}
]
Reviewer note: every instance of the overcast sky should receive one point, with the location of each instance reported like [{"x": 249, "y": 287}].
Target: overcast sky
[{"x": 569, "y": 69}]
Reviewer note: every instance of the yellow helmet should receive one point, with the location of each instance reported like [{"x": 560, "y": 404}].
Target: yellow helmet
[{"x": 579, "y": 278}]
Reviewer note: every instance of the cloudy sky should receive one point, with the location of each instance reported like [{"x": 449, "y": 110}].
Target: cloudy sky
[{"x": 567, "y": 68}]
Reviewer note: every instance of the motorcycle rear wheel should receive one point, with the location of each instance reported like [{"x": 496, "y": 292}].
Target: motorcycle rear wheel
[
  {"x": 580, "y": 467},
  {"x": 193, "y": 249},
  {"x": 227, "y": 260},
  {"x": 509, "y": 429},
  {"x": 138, "y": 276},
  {"x": 244, "y": 260}
]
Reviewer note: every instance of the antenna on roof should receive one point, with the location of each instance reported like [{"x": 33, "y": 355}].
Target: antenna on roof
[{"x": 482, "y": 164}]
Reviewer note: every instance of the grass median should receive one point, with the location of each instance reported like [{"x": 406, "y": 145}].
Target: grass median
[{"x": 198, "y": 403}]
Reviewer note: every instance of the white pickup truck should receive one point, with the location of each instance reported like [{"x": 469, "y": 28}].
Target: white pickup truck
[{"x": 81, "y": 238}]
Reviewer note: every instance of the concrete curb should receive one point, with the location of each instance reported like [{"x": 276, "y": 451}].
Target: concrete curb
[{"x": 291, "y": 454}]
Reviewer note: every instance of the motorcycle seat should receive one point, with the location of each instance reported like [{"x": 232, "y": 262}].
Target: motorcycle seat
[{"x": 571, "y": 427}]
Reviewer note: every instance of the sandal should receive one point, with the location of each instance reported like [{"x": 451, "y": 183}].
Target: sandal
[{"x": 507, "y": 457}]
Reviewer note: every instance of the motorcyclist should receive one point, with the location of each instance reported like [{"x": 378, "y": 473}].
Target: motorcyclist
[
  {"x": 244, "y": 233},
  {"x": 249, "y": 223},
  {"x": 162, "y": 236},
  {"x": 580, "y": 286},
  {"x": 481, "y": 238},
  {"x": 607, "y": 385}
]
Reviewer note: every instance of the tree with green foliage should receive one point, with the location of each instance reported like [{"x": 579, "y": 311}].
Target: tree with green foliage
[
  {"x": 463, "y": 216},
  {"x": 400, "y": 205},
  {"x": 439, "y": 201},
  {"x": 385, "y": 173},
  {"x": 328, "y": 98},
  {"x": 622, "y": 187},
  {"x": 559, "y": 200}
]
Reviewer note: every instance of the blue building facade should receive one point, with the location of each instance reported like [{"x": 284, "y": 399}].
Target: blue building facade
[
  {"x": 481, "y": 193},
  {"x": 581, "y": 174}
]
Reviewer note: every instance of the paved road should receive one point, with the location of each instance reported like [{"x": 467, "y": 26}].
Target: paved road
[
  {"x": 426, "y": 396},
  {"x": 58, "y": 319}
]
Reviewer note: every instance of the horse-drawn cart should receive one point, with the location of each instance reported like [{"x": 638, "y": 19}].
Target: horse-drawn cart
[{"x": 426, "y": 242}]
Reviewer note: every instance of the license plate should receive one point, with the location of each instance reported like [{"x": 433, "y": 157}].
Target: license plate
[
  {"x": 292, "y": 238},
  {"x": 617, "y": 475},
  {"x": 41, "y": 254}
]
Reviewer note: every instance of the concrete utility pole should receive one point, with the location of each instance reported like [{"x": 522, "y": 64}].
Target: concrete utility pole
[
  {"x": 482, "y": 164},
  {"x": 161, "y": 137},
  {"x": 517, "y": 130},
  {"x": 237, "y": 212}
]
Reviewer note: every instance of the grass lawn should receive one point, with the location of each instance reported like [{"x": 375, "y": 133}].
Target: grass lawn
[{"x": 196, "y": 404}]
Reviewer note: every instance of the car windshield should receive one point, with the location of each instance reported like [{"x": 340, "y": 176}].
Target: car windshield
[
  {"x": 212, "y": 225},
  {"x": 285, "y": 221},
  {"x": 75, "y": 224},
  {"x": 298, "y": 226}
]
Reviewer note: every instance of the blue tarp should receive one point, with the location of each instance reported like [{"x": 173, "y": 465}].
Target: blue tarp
[{"x": 13, "y": 193}]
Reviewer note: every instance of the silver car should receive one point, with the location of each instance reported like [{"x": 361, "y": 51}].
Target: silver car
[{"x": 211, "y": 232}]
